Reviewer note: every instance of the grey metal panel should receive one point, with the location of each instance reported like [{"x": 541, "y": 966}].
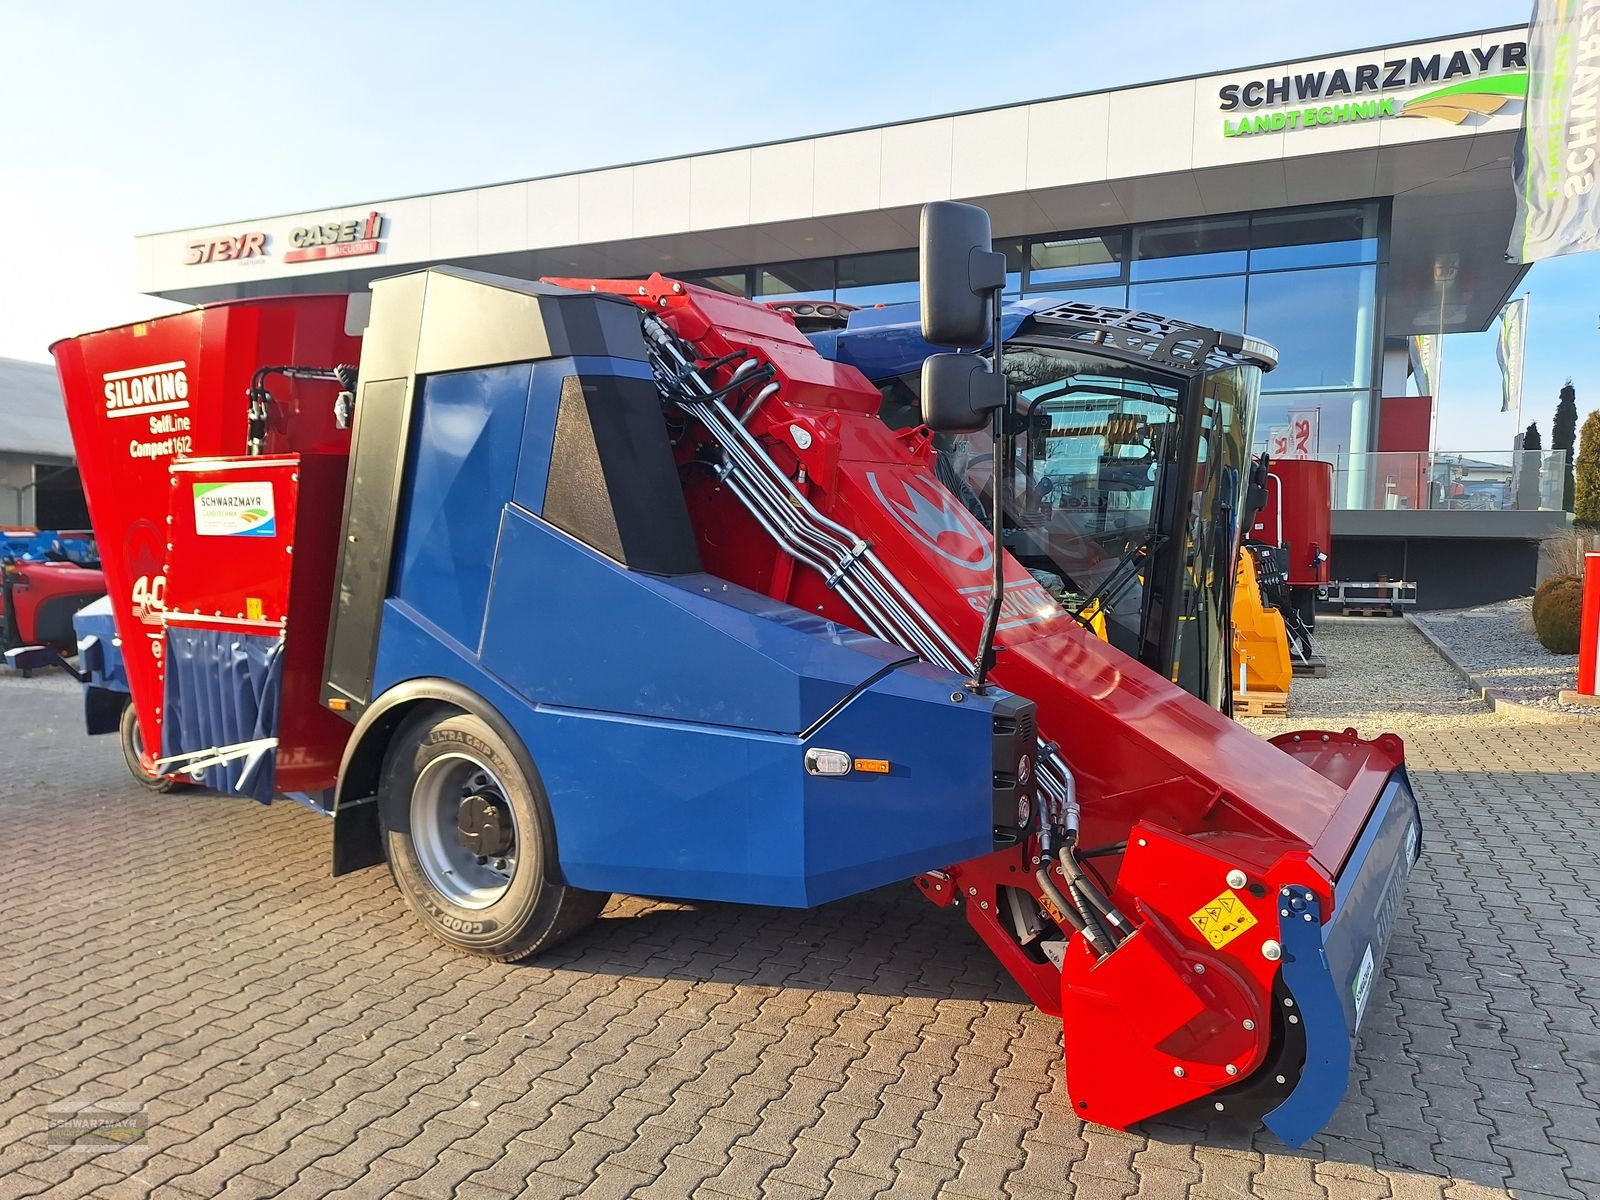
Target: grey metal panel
[
  {"x": 33, "y": 419},
  {"x": 1527, "y": 524},
  {"x": 467, "y": 324},
  {"x": 389, "y": 347},
  {"x": 372, "y": 494}
]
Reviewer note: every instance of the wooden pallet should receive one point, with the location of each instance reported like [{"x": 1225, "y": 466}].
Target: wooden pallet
[
  {"x": 1371, "y": 610},
  {"x": 1315, "y": 668},
  {"x": 1260, "y": 704}
]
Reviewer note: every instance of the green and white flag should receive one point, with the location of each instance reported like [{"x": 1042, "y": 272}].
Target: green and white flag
[
  {"x": 1558, "y": 153},
  {"x": 1513, "y": 336},
  {"x": 1425, "y": 351}
]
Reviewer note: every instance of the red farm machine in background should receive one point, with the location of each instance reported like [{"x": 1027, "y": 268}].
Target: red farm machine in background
[
  {"x": 623, "y": 587},
  {"x": 46, "y": 576},
  {"x": 1291, "y": 540}
]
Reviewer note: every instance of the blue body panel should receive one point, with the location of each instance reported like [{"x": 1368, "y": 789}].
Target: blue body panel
[
  {"x": 222, "y": 690},
  {"x": 1330, "y": 969},
  {"x": 98, "y": 651},
  {"x": 567, "y": 626},
  {"x": 668, "y": 717},
  {"x": 714, "y": 812},
  {"x": 884, "y": 342}
]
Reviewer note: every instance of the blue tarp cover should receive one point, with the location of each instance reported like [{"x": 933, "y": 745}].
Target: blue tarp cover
[{"x": 222, "y": 691}]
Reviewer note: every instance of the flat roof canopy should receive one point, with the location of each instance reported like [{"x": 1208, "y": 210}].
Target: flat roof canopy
[{"x": 1432, "y": 125}]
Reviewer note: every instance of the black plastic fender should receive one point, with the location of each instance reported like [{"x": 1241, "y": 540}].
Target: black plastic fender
[{"x": 357, "y": 839}]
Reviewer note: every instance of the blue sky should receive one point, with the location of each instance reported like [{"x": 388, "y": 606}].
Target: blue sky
[{"x": 118, "y": 119}]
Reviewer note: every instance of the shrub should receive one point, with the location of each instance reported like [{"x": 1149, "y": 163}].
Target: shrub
[
  {"x": 1586, "y": 477},
  {"x": 1558, "y": 612}
]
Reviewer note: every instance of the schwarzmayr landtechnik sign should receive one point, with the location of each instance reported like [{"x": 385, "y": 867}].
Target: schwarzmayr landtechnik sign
[{"x": 1476, "y": 82}]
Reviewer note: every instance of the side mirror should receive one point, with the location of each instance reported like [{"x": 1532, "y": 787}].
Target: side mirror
[
  {"x": 960, "y": 392},
  {"x": 961, "y": 274}
]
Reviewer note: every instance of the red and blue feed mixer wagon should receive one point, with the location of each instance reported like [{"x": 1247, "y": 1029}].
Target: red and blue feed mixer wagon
[{"x": 547, "y": 591}]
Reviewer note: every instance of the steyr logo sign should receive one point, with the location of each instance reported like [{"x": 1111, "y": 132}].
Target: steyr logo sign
[
  {"x": 228, "y": 248},
  {"x": 340, "y": 239},
  {"x": 1477, "y": 82}
]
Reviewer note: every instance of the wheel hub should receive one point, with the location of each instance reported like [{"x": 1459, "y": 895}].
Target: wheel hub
[
  {"x": 483, "y": 824},
  {"x": 464, "y": 830}
]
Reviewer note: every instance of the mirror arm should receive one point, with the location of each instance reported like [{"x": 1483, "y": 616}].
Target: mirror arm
[{"x": 1000, "y": 478}]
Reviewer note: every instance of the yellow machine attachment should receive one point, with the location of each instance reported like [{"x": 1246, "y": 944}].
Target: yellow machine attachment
[{"x": 1262, "y": 668}]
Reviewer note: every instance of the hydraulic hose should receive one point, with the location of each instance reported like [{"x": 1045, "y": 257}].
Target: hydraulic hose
[
  {"x": 846, "y": 561},
  {"x": 1097, "y": 900},
  {"x": 1062, "y": 911}
]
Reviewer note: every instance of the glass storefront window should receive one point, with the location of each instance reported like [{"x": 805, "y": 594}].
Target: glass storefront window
[
  {"x": 809, "y": 279},
  {"x": 1330, "y": 415},
  {"x": 1322, "y": 237},
  {"x": 1216, "y": 303},
  {"x": 1076, "y": 259},
  {"x": 735, "y": 283},
  {"x": 1321, "y": 321},
  {"x": 1113, "y": 295},
  {"x": 1184, "y": 249},
  {"x": 878, "y": 278}
]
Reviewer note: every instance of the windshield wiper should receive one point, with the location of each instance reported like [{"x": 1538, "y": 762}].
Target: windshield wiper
[{"x": 1122, "y": 573}]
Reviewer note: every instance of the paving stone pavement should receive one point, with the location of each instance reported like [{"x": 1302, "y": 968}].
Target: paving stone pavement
[{"x": 300, "y": 1036}]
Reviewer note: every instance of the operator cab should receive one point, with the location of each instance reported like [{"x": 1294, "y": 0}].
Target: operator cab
[{"x": 1130, "y": 451}]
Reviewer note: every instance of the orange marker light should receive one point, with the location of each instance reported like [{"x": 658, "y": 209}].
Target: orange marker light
[{"x": 873, "y": 766}]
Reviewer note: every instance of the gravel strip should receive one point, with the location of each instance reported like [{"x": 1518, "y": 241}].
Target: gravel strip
[
  {"x": 1496, "y": 644},
  {"x": 1383, "y": 677}
]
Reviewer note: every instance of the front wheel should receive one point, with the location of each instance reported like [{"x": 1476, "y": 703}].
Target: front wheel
[
  {"x": 133, "y": 753},
  {"x": 471, "y": 841}
]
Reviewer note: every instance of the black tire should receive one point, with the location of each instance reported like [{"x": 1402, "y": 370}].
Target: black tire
[
  {"x": 1305, "y": 603},
  {"x": 132, "y": 748},
  {"x": 534, "y": 909}
]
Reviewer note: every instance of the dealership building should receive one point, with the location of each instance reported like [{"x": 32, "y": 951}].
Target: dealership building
[{"x": 1334, "y": 206}]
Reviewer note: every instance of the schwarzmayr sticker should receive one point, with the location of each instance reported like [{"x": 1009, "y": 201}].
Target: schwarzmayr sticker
[
  {"x": 1477, "y": 83},
  {"x": 235, "y": 510}
]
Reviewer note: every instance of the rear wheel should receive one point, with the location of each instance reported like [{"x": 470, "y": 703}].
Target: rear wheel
[
  {"x": 133, "y": 753},
  {"x": 471, "y": 842}
]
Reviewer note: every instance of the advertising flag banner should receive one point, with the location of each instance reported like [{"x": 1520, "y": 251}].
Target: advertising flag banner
[
  {"x": 1558, "y": 152},
  {"x": 1513, "y": 334},
  {"x": 1278, "y": 441},
  {"x": 1303, "y": 433},
  {"x": 1425, "y": 351}
]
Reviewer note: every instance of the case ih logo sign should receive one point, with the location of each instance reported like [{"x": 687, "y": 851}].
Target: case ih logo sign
[
  {"x": 230, "y": 248},
  {"x": 342, "y": 239}
]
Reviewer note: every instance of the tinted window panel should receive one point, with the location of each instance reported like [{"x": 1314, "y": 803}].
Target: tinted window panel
[
  {"x": 1073, "y": 260},
  {"x": 735, "y": 283},
  {"x": 810, "y": 278},
  {"x": 1114, "y": 295},
  {"x": 1187, "y": 248},
  {"x": 1320, "y": 321},
  {"x": 1330, "y": 413},
  {"x": 1215, "y": 303},
  {"x": 1323, "y": 237}
]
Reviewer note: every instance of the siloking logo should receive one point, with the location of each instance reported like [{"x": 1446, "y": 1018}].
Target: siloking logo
[
  {"x": 162, "y": 387},
  {"x": 1477, "y": 83},
  {"x": 340, "y": 239}
]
